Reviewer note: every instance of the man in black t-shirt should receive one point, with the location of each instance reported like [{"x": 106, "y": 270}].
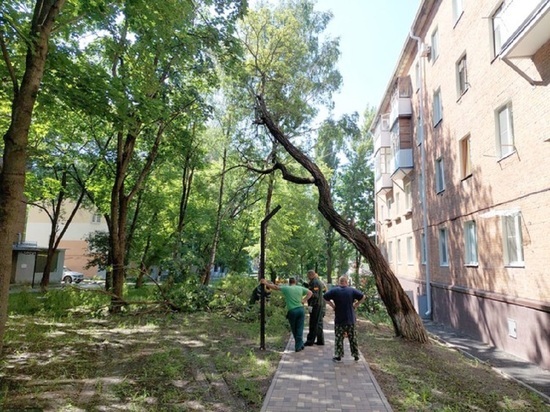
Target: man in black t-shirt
[{"x": 344, "y": 300}]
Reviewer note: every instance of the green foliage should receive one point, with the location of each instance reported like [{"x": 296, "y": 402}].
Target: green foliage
[
  {"x": 373, "y": 306},
  {"x": 188, "y": 296},
  {"x": 56, "y": 302},
  {"x": 24, "y": 303},
  {"x": 232, "y": 297}
]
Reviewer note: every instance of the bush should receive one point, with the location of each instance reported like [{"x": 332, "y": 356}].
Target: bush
[{"x": 188, "y": 296}]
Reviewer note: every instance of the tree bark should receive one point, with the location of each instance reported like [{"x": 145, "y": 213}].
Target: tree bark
[
  {"x": 406, "y": 321},
  {"x": 12, "y": 177}
]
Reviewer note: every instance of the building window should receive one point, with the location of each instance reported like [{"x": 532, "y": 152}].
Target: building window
[
  {"x": 435, "y": 45},
  {"x": 398, "y": 251},
  {"x": 513, "y": 242},
  {"x": 382, "y": 213},
  {"x": 437, "y": 107},
  {"x": 439, "y": 176},
  {"x": 409, "y": 250},
  {"x": 397, "y": 204},
  {"x": 96, "y": 218},
  {"x": 408, "y": 196},
  {"x": 458, "y": 8},
  {"x": 465, "y": 157},
  {"x": 461, "y": 76},
  {"x": 385, "y": 160},
  {"x": 470, "y": 239},
  {"x": 500, "y": 32},
  {"x": 390, "y": 253},
  {"x": 443, "y": 247},
  {"x": 505, "y": 131},
  {"x": 423, "y": 248}
]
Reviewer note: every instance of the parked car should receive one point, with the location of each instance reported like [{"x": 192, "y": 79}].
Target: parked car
[{"x": 70, "y": 276}]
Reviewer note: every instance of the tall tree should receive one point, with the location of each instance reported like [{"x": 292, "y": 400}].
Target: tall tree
[
  {"x": 406, "y": 321},
  {"x": 36, "y": 36},
  {"x": 291, "y": 70}
]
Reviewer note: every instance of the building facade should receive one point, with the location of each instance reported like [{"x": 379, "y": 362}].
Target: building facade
[
  {"x": 73, "y": 243},
  {"x": 461, "y": 141}
]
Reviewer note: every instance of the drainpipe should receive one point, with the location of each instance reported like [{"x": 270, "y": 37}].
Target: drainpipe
[{"x": 419, "y": 47}]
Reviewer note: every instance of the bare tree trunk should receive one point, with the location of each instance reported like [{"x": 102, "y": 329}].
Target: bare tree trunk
[
  {"x": 216, "y": 236},
  {"x": 406, "y": 321},
  {"x": 12, "y": 177}
]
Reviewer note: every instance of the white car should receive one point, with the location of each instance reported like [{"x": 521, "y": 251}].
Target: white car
[{"x": 70, "y": 276}]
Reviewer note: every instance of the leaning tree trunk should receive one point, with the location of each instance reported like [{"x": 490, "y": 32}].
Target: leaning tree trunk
[{"x": 406, "y": 321}]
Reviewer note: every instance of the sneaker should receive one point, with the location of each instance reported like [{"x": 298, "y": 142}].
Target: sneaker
[
  {"x": 300, "y": 349},
  {"x": 337, "y": 359},
  {"x": 308, "y": 344},
  {"x": 356, "y": 358},
  {"x": 320, "y": 344}
]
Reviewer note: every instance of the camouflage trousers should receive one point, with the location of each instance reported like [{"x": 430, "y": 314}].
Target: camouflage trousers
[{"x": 340, "y": 332}]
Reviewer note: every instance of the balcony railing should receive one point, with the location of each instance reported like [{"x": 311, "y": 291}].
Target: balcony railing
[
  {"x": 400, "y": 107},
  {"x": 402, "y": 163},
  {"x": 383, "y": 183}
]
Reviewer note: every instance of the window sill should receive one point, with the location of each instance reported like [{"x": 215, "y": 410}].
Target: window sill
[
  {"x": 506, "y": 156},
  {"x": 471, "y": 265}
]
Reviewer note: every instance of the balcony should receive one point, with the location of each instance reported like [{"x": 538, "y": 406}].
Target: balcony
[
  {"x": 403, "y": 163},
  {"x": 383, "y": 184},
  {"x": 382, "y": 133},
  {"x": 401, "y": 102},
  {"x": 528, "y": 22},
  {"x": 400, "y": 107}
]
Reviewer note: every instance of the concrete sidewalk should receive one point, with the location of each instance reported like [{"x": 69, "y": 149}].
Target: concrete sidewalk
[{"x": 310, "y": 381}]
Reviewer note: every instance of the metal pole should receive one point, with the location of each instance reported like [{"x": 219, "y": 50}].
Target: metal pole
[{"x": 262, "y": 274}]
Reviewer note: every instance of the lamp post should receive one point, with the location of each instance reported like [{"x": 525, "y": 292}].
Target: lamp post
[{"x": 262, "y": 274}]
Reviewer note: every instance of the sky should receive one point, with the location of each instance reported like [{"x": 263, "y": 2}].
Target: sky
[{"x": 372, "y": 35}]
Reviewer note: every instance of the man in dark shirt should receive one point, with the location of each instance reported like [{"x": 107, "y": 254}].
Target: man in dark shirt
[
  {"x": 344, "y": 300},
  {"x": 317, "y": 308}
]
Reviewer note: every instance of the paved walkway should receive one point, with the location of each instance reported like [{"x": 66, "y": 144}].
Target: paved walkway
[{"x": 310, "y": 381}]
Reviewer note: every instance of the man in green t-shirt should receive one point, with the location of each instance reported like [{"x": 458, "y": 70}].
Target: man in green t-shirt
[{"x": 295, "y": 298}]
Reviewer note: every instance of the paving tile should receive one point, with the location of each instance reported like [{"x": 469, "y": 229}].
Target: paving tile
[{"x": 310, "y": 381}]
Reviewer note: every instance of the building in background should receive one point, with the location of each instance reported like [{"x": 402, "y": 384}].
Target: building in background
[
  {"x": 462, "y": 147},
  {"x": 85, "y": 221}
]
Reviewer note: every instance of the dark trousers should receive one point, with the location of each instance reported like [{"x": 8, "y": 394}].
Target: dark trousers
[
  {"x": 340, "y": 332},
  {"x": 316, "y": 325},
  {"x": 296, "y": 318}
]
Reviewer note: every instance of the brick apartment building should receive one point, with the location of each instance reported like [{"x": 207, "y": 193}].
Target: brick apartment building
[{"x": 462, "y": 153}]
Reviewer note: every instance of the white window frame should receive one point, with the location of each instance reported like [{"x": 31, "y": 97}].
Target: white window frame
[
  {"x": 505, "y": 131},
  {"x": 437, "y": 107},
  {"x": 500, "y": 33},
  {"x": 417, "y": 77},
  {"x": 462, "y": 84},
  {"x": 458, "y": 9},
  {"x": 512, "y": 240},
  {"x": 439, "y": 175},
  {"x": 408, "y": 195},
  {"x": 96, "y": 218},
  {"x": 390, "y": 251},
  {"x": 470, "y": 243},
  {"x": 409, "y": 250},
  {"x": 443, "y": 247},
  {"x": 398, "y": 251},
  {"x": 465, "y": 157},
  {"x": 434, "y": 53}
]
